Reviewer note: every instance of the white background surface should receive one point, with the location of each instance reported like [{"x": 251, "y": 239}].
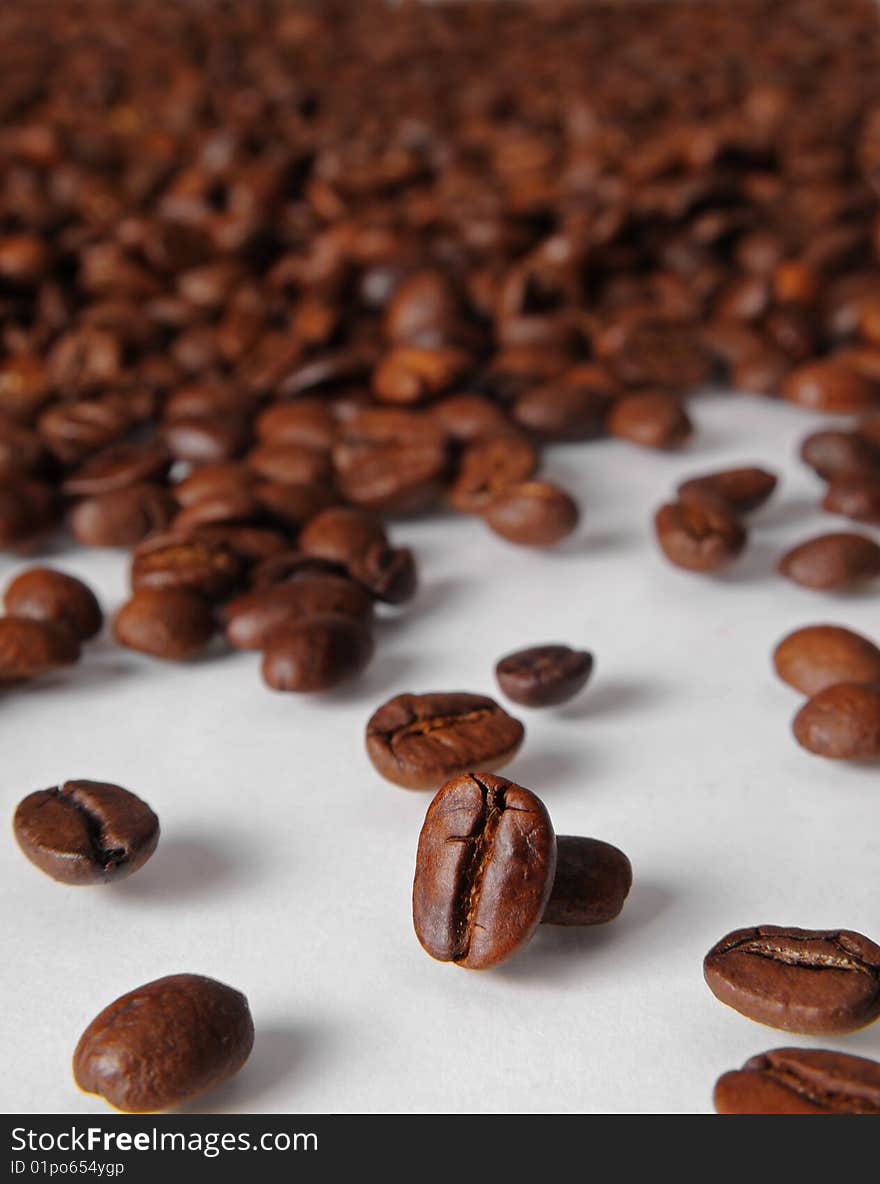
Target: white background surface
[{"x": 285, "y": 863}]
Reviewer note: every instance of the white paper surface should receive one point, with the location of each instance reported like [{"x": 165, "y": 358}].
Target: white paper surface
[{"x": 285, "y": 863}]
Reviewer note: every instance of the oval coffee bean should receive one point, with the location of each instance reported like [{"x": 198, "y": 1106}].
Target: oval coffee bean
[
  {"x": 832, "y": 561},
  {"x": 484, "y": 870},
  {"x": 854, "y": 497},
  {"x": 209, "y": 567},
  {"x": 316, "y": 654},
  {"x": 820, "y": 656},
  {"x": 818, "y": 982},
  {"x": 830, "y": 385},
  {"x": 532, "y": 513},
  {"x": 164, "y": 1042},
  {"x": 487, "y": 466},
  {"x": 254, "y": 616},
  {"x": 743, "y": 490},
  {"x": 653, "y": 419},
  {"x": 420, "y": 741},
  {"x": 342, "y": 533},
  {"x": 592, "y": 882},
  {"x": 29, "y": 648},
  {"x": 123, "y": 517},
  {"x": 699, "y": 536},
  {"x": 841, "y": 722},
  {"x": 544, "y": 675},
  {"x": 389, "y": 573},
  {"x": 118, "y": 467},
  {"x": 86, "y": 832},
  {"x": 172, "y": 623},
  {"x": 800, "y": 1081},
  {"x": 833, "y": 454},
  {"x": 44, "y": 594}
]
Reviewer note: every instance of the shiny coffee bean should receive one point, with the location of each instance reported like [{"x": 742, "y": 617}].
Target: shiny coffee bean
[
  {"x": 210, "y": 567},
  {"x": 841, "y": 722},
  {"x": 86, "y": 832},
  {"x": 834, "y": 454},
  {"x": 743, "y": 490},
  {"x": 118, "y": 467},
  {"x": 699, "y": 536},
  {"x": 854, "y": 497},
  {"x": 44, "y": 594},
  {"x": 532, "y": 513},
  {"x": 342, "y": 534},
  {"x": 420, "y": 741},
  {"x": 820, "y": 656},
  {"x": 832, "y": 561},
  {"x": 829, "y": 385},
  {"x": 543, "y": 675},
  {"x": 592, "y": 882},
  {"x": 29, "y": 648},
  {"x": 800, "y": 1081},
  {"x": 487, "y": 466},
  {"x": 316, "y": 654},
  {"x": 171, "y": 623},
  {"x": 252, "y": 617},
  {"x": 653, "y": 419},
  {"x": 818, "y": 982},
  {"x": 123, "y": 517},
  {"x": 164, "y": 1042},
  {"x": 388, "y": 573}
]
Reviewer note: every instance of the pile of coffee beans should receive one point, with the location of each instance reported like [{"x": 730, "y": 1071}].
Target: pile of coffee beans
[{"x": 248, "y": 317}]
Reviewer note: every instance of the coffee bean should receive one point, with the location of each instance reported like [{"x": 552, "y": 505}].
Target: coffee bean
[
  {"x": 292, "y": 506},
  {"x": 818, "y": 982},
  {"x": 544, "y": 675},
  {"x": 250, "y": 543},
  {"x": 827, "y": 384},
  {"x": 210, "y": 567},
  {"x": 172, "y": 623},
  {"x": 118, "y": 467},
  {"x": 307, "y": 422},
  {"x": 210, "y": 482},
  {"x": 388, "y": 573},
  {"x": 44, "y": 594},
  {"x": 834, "y": 454},
  {"x": 466, "y": 417},
  {"x": 820, "y": 656},
  {"x": 487, "y": 466},
  {"x": 420, "y": 741},
  {"x": 484, "y": 871},
  {"x": 409, "y": 374},
  {"x": 744, "y": 490},
  {"x": 800, "y": 1081},
  {"x": 592, "y": 882},
  {"x": 854, "y": 497},
  {"x": 204, "y": 440},
  {"x": 29, "y": 648},
  {"x": 567, "y": 409},
  {"x": 27, "y": 508},
  {"x": 842, "y": 722},
  {"x": 164, "y": 1042},
  {"x": 291, "y": 464},
  {"x": 252, "y": 617},
  {"x": 652, "y": 419},
  {"x": 699, "y": 535},
  {"x": 86, "y": 832},
  {"x": 315, "y": 654},
  {"x": 532, "y": 513},
  {"x": 342, "y": 534},
  {"x": 283, "y": 566},
  {"x": 832, "y": 561},
  {"x": 123, "y": 517},
  {"x": 391, "y": 461}
]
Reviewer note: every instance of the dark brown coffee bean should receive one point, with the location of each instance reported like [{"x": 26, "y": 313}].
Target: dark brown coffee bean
[
  {"x": 419, "y": 741},
  {"x": 27, "y": 509},
  {"x": 391, "y": 461},
  {"x": 22, "y": 452},
  {"x": 201, "y": 440},
  {"x": 743, "y": 490},
  {"x": 649, "y": 352},
  {"x": 24, "y": 387},
  {"x": 118, "y": 467},
  {"x": 567, "y": 409},
  {"x": 389, "y": 573},
  {"x": 291, "y": 464},
  {"x": 286, "y": 565},
  {"x": 832, "y": 561},
  {"x": 819, "y": 982},
  {"x": 122, "y": 518},
  {"x": 489, "y": 465},
  {"x": 699, "y": 535},
  {"x": 829, "y": 385},
  {"x": 254, "y": 616},
  {"x": 342, "y": 534},
  {"x": 44, "y": 594},
  {"x": 86, "y": 832},
  {"x": 834, "y": 454},
  {"x": 465, "y": 417},
  {"x": 172, "y": 623},
  {"x": 292, "y": 506},
  {"x": 29, "y": 648},
  {"x": 762, "y": 371},
  {"x": 250, "y": 543},
  {"x": 164, "y": 1042},
  {"x": 592, "y": 882},
  {"x": 854, "y": 497},
  {"x": 842, "y": 722},
  {"x": 484, "y": 871},
  {"x": 307, "y": 422},
  {"x": 210, "y": 567},
  {"x": 229, "y": 478},
  {"x": 820, "y": 656},
  {"x": 652, "y": 419},
  {"x": 316, "y": 654},
  {"x": 532, "y": 513},
  {"x": 73, "y": 431},
  {"x": 800, "y": 1081},
  {"x": 544, "y": 675},
  {"x": 233, "y": 506}
]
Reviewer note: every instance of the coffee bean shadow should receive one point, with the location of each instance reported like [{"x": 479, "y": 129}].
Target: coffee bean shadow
[
  {"x": 281, "y": 1051},
  {"x": 429, "y": 599},
  {"x": 612, "y": 697},
  {"x": 542, "y": 769},
  {"x": 594, "y": 544},
  {"x": 181, "y": 869},
  {"x": 559, "y": 952},
  {"x": 785, "y": 512},
  {"x": 757, "y": 564},
  {"x": 378, "y": 681}
]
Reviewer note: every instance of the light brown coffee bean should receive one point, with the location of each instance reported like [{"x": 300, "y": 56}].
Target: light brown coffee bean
[
  {"x": 842, "y": 722},
  {"x": 820, "y": 656},
  {"x": 832, "y": 561}
]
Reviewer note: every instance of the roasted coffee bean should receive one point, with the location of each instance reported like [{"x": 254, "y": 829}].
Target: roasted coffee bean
[
  {"x": 286, "y": 565},
  {"x": 391, "y": 461},
  {"x": 210, "y": 567},
  {"x": 484, "y": 871},
  {"x": 854, "y": 497},
  {"x": 44, "y": 594},
  {"x": 234, "y": 506},
  {"x": 172, "y": 623},
  {"x": 409, "y": 374},
  {"x": 818, "y": 982},
  {"x": 210, "y": 482},
  {"x": 254, "y": 616},
  {"x": 389, "y": 573},
  {"x": 308, "y": 423},
  {"x": 743, "y": 490},
  {"x": 592, "y": 882},
  {"x": 466, "y": 417},
  {"x": 800, "y": 1081},
  {"x": 203, "y": 440},
  {"x": 544, "y": 675},
  {"x": 291, "y": 464},
  {"x": 424, "y": 307},
  {"x": 699, "y": 536},
  {"x": 489, "y": 465},
  {"x": 118, "y": 467},
  {"x": 829, "y": 385},
  {"x": 123, "y": 517},
  {"x": 29, "y": 648},
  {"x": 564, "y": 410},
  {"x": 842, "y": 722},
  {"x": 652, "y": 419},
  {"x": 250, "y": 543},
  {"x": 834, "y": 454},
  {"x": 832, "y": 561},
  {"x": 820, "y": 656},
  {"x": 316, "y": 653},
  {"x": 27, "y": 508},
  {"x": 86, "y": 832},
  {"x": 761, "y": 371},
  {"x": 420, "y": 741},
  {"x": 22, "y": 452},
  {"x": 291, "y": 506},
  {"x": 342, "y": 534},
  {"x": 532, "y": 513},
  {"x": 164, "y": 1042},
  {"x": 650, "y": 352}
]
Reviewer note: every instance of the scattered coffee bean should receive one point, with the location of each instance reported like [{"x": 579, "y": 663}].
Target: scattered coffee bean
[
  {"x": 172, "y": 623},
  {"x": 854, "y": 497},
  {"x": 252, "y": 617},
  {"x": 164, "y": 1042},
  {"x": 821, "y": 656},
  {"x": 699, "y": 535},
  {"x": 841, "y": 722},
  {"x": 44, "y": 594},
  {"x": 836, "y": 454},
  {"x": 420, "y": 741},
  {"x": 832, "y": 561},
  {"x": 801, "y": 1081},
  {"x": 342, "y": 534},
  {"x": 532, "y": 513},
  {"x": 543, "y": 675},
  {"x": 800, "y": 980},
  {"x": 29, "y": 648},
  {"x": 592, "y": 882},
  {"x": 830, "y": 385},
  {"x": 316, "y": 654},
  {"x": 653, "y": 419},
  {"x": 743, "y": 490},
  {"x": 86, "y": 832}
]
